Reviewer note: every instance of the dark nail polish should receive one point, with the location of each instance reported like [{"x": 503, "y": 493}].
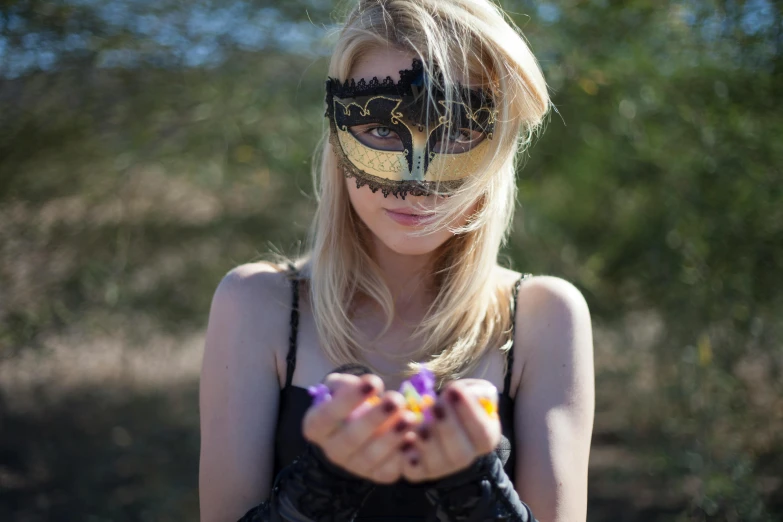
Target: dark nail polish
[
  {"x": 389, "y": 407},
  {"x": 424, "y": 433},
  {"x": 439, "y": 412},
  {"x": 400, "y": 426},
  {"x": 406, "y": 446},
  {"x": 414, "y": 461},
  {"x": 454, "y": 397},
  {"x": 366, "y": 388}
]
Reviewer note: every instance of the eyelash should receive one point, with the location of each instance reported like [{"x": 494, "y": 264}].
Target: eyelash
[
  {"x": 462, "y": 132},
  {"x": 391, "y": 135}
]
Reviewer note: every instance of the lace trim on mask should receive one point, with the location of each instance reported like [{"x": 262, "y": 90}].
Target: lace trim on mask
[
  {"x": 351, "y": 88},
  {"x": 412, "y": 82},
  {"x": 397, "y": 188}
]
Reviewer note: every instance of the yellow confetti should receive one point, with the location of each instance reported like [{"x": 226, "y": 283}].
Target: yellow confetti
[{"x": 489, "y": 406}]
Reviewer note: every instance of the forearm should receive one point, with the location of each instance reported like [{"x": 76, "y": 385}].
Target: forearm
[
  {"x": 312, "y": 489},
  {"x": 482, "y": 493}
]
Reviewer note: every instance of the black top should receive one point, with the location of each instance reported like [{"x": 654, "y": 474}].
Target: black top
[{"x": 402, "y": 501}]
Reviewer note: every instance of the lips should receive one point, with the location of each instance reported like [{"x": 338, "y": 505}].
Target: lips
[
  {"x": 404, "y": 211},
  {"x": 407, "y": 218}
]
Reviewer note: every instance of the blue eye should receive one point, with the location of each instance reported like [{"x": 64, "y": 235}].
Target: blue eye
[
  {"x": 379, "y": 137},
  {"x": 382, "y": 132}
]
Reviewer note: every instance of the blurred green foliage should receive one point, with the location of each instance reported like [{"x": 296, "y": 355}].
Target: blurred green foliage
[{"x": 148, "y": 147}]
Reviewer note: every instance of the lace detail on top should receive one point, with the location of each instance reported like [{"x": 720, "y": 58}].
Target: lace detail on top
[
  {"x": 293, "y": 331},
  {"x": 510, "y": 353}
]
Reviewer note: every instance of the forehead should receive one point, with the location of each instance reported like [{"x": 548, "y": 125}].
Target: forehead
[{"x": 381, "y": 62}]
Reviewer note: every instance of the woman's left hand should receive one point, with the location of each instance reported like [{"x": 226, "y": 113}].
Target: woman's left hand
[{"x": 460, "y": 431}]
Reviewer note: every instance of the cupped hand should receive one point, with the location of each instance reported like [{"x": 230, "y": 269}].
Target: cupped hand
[
  {"x": 460, "y": 431},
  {"x": 368, "y": 444}
]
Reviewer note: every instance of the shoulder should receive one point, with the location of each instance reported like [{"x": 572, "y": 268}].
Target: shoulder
[
  {"x": 260, "y": 287},
  {"x": 544, "y": 296},
  {"x": 550, "y": 295},
  {"x": 250, "y": 313},
  {"x": 553, "y": 327}
]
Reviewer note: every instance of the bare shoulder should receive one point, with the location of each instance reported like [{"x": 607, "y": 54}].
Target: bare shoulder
[
  {"x": 258, "y": 285},
  {"x": 552, "y": 322},
  {"x": 251, "y": 308},
  {"x": 543, "y": 284},
  {"x": 552, "y": 317},
  {"x": 555, "y": 293}
]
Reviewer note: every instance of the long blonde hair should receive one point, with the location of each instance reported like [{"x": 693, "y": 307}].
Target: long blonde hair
[{"x": 470, "y": 41}]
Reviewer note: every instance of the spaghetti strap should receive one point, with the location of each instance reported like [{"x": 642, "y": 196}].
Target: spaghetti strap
[
  {"x": 510, "y": 352},
  {"x": 290, "y": 359}
]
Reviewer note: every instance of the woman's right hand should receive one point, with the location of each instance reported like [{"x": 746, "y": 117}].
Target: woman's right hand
[{"x": 367, "y": 445}]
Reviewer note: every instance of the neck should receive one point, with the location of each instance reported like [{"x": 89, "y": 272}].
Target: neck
[{"x": 408, "y": 276}]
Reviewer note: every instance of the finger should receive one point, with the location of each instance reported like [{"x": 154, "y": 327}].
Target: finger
[
  {"x": 450, "y": 435},
  {"x": 432, "y": 461},
  {"x": 381, "y": 457},
  {"x": 350, "y": 439},
  {"x": 380, "y": 448},
  {"x": 412, "y": 467},
  {"x": 348, "y": 391},
  {"x": 482, "y": 429},
  {"x": 399, "y": 401},
  {"x": 334, "y": 381}
]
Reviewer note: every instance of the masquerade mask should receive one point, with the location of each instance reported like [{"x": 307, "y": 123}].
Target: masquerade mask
[{"x": 401, "y": 139}]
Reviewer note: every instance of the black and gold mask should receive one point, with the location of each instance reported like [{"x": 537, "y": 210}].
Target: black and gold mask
[{"x": 402, "y": 138}]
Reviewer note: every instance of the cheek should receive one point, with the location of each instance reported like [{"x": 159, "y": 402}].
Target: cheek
[{"x": 365, "y": 202}]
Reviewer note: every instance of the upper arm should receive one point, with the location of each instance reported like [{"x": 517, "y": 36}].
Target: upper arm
[
  {"x": 555, "y": 400},
  {"x": 239, "y": 391}
]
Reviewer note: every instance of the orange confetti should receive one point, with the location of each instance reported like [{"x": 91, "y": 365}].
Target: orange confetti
[{"x": 489, "y": 406}]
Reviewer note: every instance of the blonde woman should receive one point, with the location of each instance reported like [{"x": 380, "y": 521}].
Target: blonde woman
[{"x": 428, "y": 104}]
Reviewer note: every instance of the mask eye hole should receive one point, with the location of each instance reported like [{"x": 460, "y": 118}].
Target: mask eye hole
[
  {"x": 377, "y": 136},
  {"x": 456, "y": 140}
]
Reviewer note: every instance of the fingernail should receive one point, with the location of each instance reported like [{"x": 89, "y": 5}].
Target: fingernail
[
  {"x": 406, "y": 446},
  {"x": 414, "y": 461},
  {"x": 400, "y": 426},
  {"x": 439, "y": 412},
  {"x": 389, "y": 407},
  {"x": 454, "y": 397},
  {"x": 366, "y": 388},
  {"x": 424, "y": 433}
]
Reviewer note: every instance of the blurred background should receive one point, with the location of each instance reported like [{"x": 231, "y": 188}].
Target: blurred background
[{"x": 147, "y": 147}]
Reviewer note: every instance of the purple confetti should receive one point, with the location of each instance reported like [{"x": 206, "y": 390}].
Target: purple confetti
[
  {"x": 320, "y": 393},
  {"x": 424, "y": 382}
]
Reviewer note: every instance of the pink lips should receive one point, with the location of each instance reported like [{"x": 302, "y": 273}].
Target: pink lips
[{"x": 407, "y": 219}]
